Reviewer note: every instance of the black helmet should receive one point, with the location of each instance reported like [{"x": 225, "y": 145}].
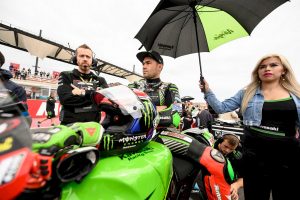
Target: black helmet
[
  {"x": 129, "y": 119},
  {"x": 2, "y": 59}
]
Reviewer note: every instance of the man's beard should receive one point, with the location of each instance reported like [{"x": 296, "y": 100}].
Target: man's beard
[{"x": 85, "y": 67}]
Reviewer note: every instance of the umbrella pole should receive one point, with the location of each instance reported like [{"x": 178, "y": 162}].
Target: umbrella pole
[{"x": 198, "y": 46}]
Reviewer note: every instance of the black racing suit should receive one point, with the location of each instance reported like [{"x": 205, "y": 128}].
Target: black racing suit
[
  {"x": 162, "y": 94},
  {"x": 77, "y": 108}
]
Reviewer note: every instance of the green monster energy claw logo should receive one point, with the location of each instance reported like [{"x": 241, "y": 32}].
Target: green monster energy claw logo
[
  {"x": 108, "y": 143},
  {"x": 148, "y": 113}
]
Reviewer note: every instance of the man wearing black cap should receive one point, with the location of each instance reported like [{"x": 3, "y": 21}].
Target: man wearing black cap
[{"x": 164, "y": 95}]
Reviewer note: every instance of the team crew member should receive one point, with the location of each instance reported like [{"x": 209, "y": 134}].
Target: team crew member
[
  {"x": 76, "y": 87},
  {"x": 229, "y": 146},
  {"x": 50, "y": 106}
]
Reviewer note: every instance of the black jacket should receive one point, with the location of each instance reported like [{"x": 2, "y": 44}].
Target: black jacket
[
  {"x": 77, "y": 108},
  {"x": 50, "y": 105},
  {"x": 17, "y": 92}
]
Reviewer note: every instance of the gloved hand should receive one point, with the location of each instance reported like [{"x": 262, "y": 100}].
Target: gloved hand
[
  {"x": 60, "y": 137},
  {"x": 90, "y": 133},
  {"x": 40, "y": 173},
  {"x": 50, "y": 141},
  {"x": 169, "y": 117}
]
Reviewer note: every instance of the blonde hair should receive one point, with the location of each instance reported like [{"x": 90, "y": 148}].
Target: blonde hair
[{"x": 289, "y": 83}]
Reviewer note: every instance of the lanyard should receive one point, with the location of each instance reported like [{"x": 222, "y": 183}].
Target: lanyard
[{"x": 85, "y": 80}]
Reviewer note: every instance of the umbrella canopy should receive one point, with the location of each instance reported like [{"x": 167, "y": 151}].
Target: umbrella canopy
[
  {"x": 180, "y": 27},
  {"x": 187, "y": 98}
]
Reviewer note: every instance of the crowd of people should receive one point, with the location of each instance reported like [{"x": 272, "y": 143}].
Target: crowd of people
[
  {"x": 269, "y": 108},
  {"x": 24, "y": 74}
]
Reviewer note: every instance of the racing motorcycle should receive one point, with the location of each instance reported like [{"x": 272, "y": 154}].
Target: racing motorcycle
[{"x": 121, "y": 158}]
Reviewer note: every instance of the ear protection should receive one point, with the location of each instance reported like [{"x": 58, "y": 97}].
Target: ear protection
[
  {"x": 74, "y": 61},
  {"x": 222, "y": 137}
]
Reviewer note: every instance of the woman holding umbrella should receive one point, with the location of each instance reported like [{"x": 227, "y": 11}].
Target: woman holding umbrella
[{"x": 270, "y": 106}]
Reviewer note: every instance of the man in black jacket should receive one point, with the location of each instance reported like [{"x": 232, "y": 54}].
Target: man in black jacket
[{"x": 76, "y": 87}]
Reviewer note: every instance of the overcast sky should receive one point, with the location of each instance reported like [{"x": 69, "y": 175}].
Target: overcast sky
[{"x": 109, "y": 27}]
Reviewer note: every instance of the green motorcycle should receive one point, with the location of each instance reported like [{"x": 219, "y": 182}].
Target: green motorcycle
[{"x": 123, "y": 158}]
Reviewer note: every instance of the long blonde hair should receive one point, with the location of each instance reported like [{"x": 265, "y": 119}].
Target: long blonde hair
[{"x": 289, "y": 82}]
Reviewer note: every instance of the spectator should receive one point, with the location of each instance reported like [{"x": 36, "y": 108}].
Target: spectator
[
  {"x": 187, "y": 121},
  {"x": 29, "y": 72},
  {"x": 17, "y": 92},
  {"x": 204, "y": 119}
]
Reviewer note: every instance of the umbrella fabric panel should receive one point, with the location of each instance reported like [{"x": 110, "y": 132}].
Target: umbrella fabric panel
[
  {"x": 177, "y": 37},
  {"x": 219, "y": 27}
]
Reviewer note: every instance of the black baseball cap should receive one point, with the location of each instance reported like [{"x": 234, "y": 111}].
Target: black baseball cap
[
  {"x": 151, "y": 54},
  {"x": 2, "y": 59}
]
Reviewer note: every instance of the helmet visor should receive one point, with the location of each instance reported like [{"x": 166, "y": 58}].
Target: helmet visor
[{"x": 125, "y": 98}]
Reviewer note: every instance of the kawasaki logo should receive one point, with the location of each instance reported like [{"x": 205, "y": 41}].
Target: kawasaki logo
[{"x": 223, "y": 34}]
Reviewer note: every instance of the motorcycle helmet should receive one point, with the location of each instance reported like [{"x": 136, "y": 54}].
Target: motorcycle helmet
[{"x": 129, "y": 120}]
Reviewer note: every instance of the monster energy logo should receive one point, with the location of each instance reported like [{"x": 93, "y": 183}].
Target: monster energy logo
[
  {"x": 223, "y": 34},
  {"x": 132, "y": 138},
  {"x": 148, "y": 113},
  {"x": 108, "y": 143}
]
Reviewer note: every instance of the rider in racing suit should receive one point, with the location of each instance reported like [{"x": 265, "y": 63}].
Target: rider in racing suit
[
  {"x": 165, "y": 96},
  {"x": 188, "y": 153}
]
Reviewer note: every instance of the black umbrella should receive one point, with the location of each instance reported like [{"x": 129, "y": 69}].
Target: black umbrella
[
  {"x": 187, "y": 98},
  {"x": 180, "y": 27}
]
